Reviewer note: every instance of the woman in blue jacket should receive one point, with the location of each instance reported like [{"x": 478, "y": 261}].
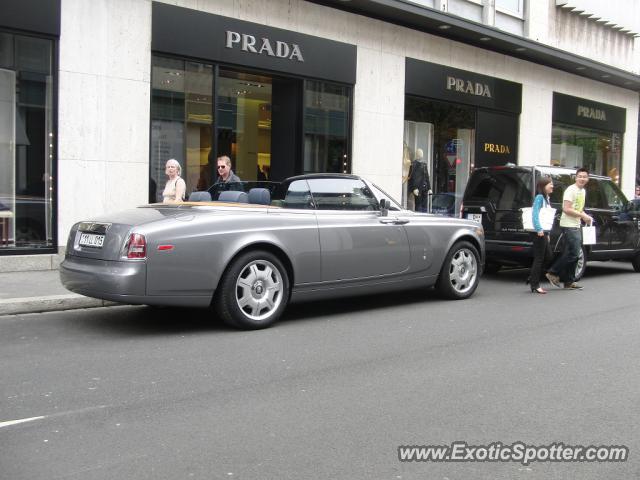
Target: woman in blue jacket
[{"x": 540, "y": 236}]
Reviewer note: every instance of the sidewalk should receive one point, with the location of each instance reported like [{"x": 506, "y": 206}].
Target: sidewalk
[{"x": 39, "y": 291}]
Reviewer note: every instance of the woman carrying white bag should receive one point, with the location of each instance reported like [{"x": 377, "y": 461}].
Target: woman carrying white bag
[{"x": 542, "y": 220}]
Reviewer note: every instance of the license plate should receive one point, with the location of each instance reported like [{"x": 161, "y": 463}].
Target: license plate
[
  {"x": 476, "y": 217},
  {"x": 91, "y": 240}
]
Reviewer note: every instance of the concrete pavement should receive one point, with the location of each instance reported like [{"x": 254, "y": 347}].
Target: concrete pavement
[{"x": 39, "y": 291}]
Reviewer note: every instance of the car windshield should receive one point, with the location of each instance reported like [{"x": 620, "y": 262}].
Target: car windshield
[{"x": 380, "y": 194}]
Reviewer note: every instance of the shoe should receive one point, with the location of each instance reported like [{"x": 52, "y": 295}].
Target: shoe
[
  {"x": 553, "y": 279},
  {"x": 572, "y": 286},
  {"x": 539, "y": 290}
]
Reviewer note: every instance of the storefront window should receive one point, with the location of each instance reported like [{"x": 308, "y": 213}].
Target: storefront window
[
  {"x": 326, "y": 127},
  {"x": 26, "y": 143},
  {"x": 598, "y": 151},
  {"x": 270, "y": 126},
  {"x": 439, "y": 141},
  {"x": 181, "y": 122}
]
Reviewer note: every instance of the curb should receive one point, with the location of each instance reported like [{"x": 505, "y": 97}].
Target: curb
[{"x": 50, "y": 303}]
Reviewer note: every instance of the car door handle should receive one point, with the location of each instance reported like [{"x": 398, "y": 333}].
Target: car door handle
[{"x": 393, "y": 221}]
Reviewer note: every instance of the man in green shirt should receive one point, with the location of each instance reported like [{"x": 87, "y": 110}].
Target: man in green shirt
[{"x": 573, "y": 200}]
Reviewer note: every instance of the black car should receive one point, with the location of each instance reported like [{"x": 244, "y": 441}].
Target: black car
[{"x": 495, "y": 195}]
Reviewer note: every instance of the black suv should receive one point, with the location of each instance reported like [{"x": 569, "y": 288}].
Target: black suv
[{"x": 496, "y": 195}]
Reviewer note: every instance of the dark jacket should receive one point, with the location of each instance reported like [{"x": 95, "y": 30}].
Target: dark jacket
[
  {"x": 419, "y": 177},
  {"x": 231, "y": 178}
]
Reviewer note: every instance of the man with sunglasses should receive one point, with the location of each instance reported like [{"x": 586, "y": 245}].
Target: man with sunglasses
[{"x": 225, "y": 174}]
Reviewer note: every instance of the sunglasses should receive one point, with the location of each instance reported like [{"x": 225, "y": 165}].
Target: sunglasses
[{"x": 221, "y": 166}]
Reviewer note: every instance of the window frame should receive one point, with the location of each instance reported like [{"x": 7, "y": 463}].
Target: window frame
[
  {"x": 507, "y": 11},
  {"x": 50, "y": 242}
]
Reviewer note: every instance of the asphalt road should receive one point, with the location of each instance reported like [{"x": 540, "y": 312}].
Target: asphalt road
[{"x": 331, "y": 391}]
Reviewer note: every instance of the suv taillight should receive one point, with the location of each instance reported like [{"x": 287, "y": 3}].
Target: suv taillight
[
  {"x": 136, "y": 246},
  {"x": 461, "y": 212}
]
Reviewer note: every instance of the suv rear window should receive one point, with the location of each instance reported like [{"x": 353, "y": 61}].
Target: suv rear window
[{"x": 506, "y": 189}]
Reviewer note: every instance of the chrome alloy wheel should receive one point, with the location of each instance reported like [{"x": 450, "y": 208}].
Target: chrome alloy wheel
[
  {"x": 463, "y": 270},
  {"x": 259, "y": 289}
]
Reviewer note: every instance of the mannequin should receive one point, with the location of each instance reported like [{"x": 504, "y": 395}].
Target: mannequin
[
  {"x": 419, "y": 182},
  {"x": 406, "y": 171}
]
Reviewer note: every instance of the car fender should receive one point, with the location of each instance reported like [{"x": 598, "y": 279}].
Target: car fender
[{"x": 470, "y": 235}]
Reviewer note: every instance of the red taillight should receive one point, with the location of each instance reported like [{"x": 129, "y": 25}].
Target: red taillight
[{"x": 136, "y": 246}]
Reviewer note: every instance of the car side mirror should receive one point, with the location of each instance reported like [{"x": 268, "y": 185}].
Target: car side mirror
[{"x": 384, "y": 207}]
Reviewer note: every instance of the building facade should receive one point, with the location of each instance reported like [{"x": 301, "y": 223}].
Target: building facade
[{"x": 96, "y": 96}]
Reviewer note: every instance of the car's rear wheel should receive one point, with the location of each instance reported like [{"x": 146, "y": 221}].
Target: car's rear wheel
[
  {"x": 581, "y": 264},
  {"x": 460, "y": 274},
  {"x": 253, "y": 292},
  {"x": 635, "y": 261}
]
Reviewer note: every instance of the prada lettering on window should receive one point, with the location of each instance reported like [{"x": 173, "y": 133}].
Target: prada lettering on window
[
  {"x": 594, "y": 113},
  {"x": 497, "y": 148},
  {"x": 469, "y": 87},
  {"x": 264, "y": 46}
]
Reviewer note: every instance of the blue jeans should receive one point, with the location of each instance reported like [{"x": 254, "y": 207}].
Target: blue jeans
[{"x": 565, "y": 265}]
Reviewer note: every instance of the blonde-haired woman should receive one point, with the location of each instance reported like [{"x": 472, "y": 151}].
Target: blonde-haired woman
[{"x": 175, "y": 187}]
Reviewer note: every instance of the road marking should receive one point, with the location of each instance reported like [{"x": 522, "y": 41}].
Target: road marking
[
  {"x": 22, "y": 420},
  {"x": 53, "y": 415}
]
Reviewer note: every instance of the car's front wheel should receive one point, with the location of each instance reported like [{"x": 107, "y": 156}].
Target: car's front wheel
[
  {"x": 635, "y": 261},
  {"x": 460, "y": 274},
  {"x": 253, "y": 292}
]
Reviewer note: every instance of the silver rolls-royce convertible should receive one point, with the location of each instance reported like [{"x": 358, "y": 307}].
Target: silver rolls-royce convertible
[{"x": 247, "y": 254}]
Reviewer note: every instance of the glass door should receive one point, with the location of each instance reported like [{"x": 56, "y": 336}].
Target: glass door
[
  {"x": 7, "y": 156},
  {"x": 417, "y": 166},
  {"x": 244, "y": 123}
]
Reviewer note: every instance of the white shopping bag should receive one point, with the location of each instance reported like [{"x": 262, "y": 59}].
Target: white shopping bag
[
  {"x": 527, "y": 218},
  {"x": 589, "y": 235},
  {"x": 546, "y": 215}
]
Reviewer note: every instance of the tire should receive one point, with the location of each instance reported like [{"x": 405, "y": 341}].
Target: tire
[
  {"x": 581, "y": 265},
  {"x": 254, "y": 291},
  {"x": 460, "y": 274},
  {"x": 635, "y": 261}
]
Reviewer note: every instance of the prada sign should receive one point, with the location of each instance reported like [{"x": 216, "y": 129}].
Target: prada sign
[
  {"x": 249, "y": 43},
  {"x": 497, "y": 148},
  {"x": 194, "y": 34},
  {"x": 496, "y": 138},
  {"x": 595, "y": 113},
  {"x": 585, "y": 113},
  {"x": 440, "y": 82},
  {"x": 468, "y": 87}
]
